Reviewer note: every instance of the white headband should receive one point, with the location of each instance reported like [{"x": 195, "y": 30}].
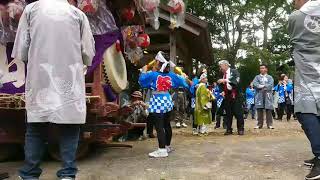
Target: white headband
[{"x": 160, "y": 58}]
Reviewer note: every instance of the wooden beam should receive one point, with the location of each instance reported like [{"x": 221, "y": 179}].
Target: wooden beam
[
  {"x": 187, "y": 27},
  {"x": 158, "y": 47},
  {"x": 173, "y": 47},
  {"x": 162, "y": 31}
]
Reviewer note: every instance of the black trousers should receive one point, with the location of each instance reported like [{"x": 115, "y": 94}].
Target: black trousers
[
  {"x": 218, "y": 121},
  {"x": 163, "y": 128},
  {"x": 285, "y": 107},
  {"x": 149, "y": 126},
  {"x": 214, "y": 110},
  {"x": 233, "y": 108},
  {"x": 194, "y": 126}
]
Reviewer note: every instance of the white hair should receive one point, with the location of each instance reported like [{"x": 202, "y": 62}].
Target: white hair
[{"x": 224, "y": 62}]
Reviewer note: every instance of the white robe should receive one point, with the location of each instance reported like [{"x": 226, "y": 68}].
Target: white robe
[
  {"x": 55, "y": 39},
  {"x": 304, "y": 31}
]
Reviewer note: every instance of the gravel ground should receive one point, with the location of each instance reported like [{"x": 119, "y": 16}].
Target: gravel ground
[{"x": 260, "y": 154}]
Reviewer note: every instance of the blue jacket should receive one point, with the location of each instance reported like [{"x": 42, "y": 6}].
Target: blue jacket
[
  {"x": 161, "y": 83},
  {"x": 250, "y": 93},
  {"x": 218, "y": 96},
  {"x": 282, "y": 91},
  {"x": 193, "y": 88}
]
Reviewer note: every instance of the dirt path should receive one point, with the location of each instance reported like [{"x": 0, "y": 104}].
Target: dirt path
[{"x": 261, "y": 154}]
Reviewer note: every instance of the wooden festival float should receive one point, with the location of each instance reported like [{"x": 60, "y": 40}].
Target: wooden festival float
[{"x": 147, "y": 27}]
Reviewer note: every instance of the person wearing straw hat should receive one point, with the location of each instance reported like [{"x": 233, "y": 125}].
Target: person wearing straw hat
[
  {"x": 139, "y": 114},
  {"x": 161, "y": 105},
  {"x": 232, "y": 102}
]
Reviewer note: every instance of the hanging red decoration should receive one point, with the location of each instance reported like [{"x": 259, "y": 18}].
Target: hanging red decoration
[
  {"x": 143, "y": 40},
  {"x": 177, "y": 7},
  {"x": 151, "y": 5},
  {"x": 88, "y": 6},
  {"x": 128, "y": 14}
]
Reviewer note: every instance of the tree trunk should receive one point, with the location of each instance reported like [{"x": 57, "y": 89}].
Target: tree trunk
[{"x": 266, "y": 21}]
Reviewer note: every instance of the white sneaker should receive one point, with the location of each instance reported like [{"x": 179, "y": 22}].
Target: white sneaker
[
  {"x": 195, "y": 131},
  {"x": 257, "y": 127},
  {"x": 169, "y": 149},
  {"x": 271, "y": 127},
  {"x": 160, "y": 153},
  {"x": 178, "y": 125},
  {"x": 203, "y": 129},
  {"x": 184, "y": 125}
]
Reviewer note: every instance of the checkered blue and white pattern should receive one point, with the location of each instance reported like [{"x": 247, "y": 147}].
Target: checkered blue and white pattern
[
  {"x": 160, "y": 103},
  {"x": 219, "y": 102},
  {"x": 193, "y": 103},
  {"x": 250, "y": 101},
  {"x": 282, "y": 99}
]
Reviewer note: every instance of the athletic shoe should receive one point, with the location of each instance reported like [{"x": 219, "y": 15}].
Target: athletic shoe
[
  {"x": 270, "y": 127},
  {"x": 315, "y": 171},
  {"x": 257, "y": 127},
  {"x": 160, "y": 153},
  {"x": 178, "y": 125},
  {"x": 28, "y": 179},
  {"x": 310, "y": 162},
  {"x": 195, "y": 131},
  {"x": 67, "y": 178},
  {"x": 151, "y": 136},
  {"x": 227, "y": 133},
  {"x": 184, "y": 125},
  {"x": 169, "y": 149},
  {"x": 203, "y": 129}
]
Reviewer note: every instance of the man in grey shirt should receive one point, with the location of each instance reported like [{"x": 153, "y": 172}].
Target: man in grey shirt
[
  {"x": 56, "y": 41},
  {"x": 304, "y": 32}
]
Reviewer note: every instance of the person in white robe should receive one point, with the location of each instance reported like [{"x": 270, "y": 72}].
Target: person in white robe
[
  {"x": 304, "y": 31},
  {"x": 56, "y": 41}
]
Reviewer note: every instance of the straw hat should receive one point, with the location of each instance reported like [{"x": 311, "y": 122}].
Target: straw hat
[{"x": 137, "y": 94}]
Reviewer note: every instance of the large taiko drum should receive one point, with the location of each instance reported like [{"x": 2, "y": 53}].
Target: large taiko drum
[{"x": 115, "y": 70}]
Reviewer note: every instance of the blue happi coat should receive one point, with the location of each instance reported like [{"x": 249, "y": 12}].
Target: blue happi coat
[
  {"x": 250, "y": 93},
  {"x": 161, "y": 83},
  {"x": 282, "y": 90},
  {"x": 219, "y": 97}
]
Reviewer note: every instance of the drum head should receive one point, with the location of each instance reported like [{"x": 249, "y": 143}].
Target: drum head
[{"x": 115, "y": 69}]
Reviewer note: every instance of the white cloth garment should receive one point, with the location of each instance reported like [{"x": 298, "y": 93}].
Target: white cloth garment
[
  {"x": 311, "y": 8},
  {"x": 228, "y": 74},
  {"x": 55, "y": 39}
]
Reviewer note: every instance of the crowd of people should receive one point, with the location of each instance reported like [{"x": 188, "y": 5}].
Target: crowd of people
[{"x": 207, "y": 103}]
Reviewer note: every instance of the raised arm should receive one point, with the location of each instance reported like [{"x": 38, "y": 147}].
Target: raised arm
[
  {"x": 179, "y": 81},
  {"x": 145, "y": 79}
]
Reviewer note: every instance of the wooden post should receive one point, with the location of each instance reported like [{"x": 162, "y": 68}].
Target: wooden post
[{"x": 173, "y": 47}]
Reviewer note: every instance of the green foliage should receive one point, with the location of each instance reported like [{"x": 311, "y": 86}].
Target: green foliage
[{"x": 235, "y": 24}]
